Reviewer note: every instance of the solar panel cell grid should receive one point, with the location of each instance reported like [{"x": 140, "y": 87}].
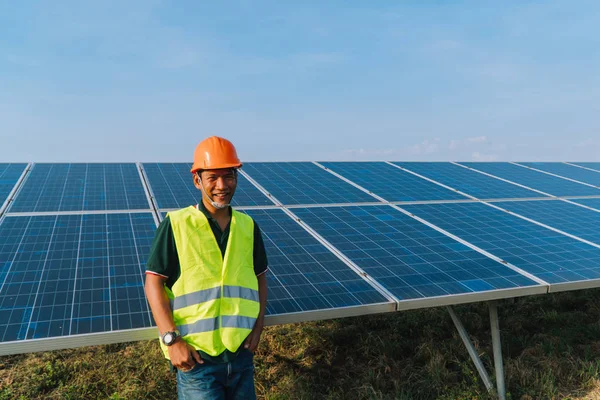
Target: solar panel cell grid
[
  {"x": 9, "y": 175},
  {"x": 594, "y": 203},
  {"x": 77, "y": 187},
  {"x": 408, "y": 258},
  {"x": 303, "y": 274},
  {"x": 23, "y": 274},
  {"x": 578, "y": 221},
  {"x": 592, "y": 165},
  {"x": 304, "y": 183},
  {"x": 122, "y": 187},
  {"x": 467, "y": 181},
  {"x": 548, "y": 255},
  {"x": 533, "y": 179},
  {"x": 171, "y": 184},
  {"x": 51, "y": 309},
  {"x": 128, "y": 300},
  {"x": 43, "y": 184},
  {"x": 390, "y": 182},
  {"x": 70, "y": 274},
  {"x": 566, "y": 170}
]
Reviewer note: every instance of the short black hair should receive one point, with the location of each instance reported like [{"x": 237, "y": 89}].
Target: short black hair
[{"x": 200, "y": 171}]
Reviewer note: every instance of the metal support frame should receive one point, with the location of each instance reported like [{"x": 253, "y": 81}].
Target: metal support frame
[
  {"x": 498, "y": 364},
  {"x": 16, "y": 188},
  {"x": 149, "y": 193},
  {"x": 497, "y": 349}
]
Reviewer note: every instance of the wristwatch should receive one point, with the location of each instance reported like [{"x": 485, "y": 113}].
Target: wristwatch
[{"x": 168, "y": 338}]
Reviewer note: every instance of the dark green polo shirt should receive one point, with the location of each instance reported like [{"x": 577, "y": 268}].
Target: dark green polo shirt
[{"x": 164, "y": 260}]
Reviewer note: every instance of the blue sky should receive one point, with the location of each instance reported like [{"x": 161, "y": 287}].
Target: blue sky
[{"x": 312, "y": 80}]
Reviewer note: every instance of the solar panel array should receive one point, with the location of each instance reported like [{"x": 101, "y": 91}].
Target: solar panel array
[
  {"x": 533, "y": 179},
  {"x": 342, "y": 238},
  {"x": 567, "y": 217},
  {"x": 468, "y": 181},
  {"x": 409, "y": 259},
  {"x": 591, "y": 165},
  {"x": 304, "y": 183},
  {"x": 390, "y": 182},
  {"x": 592, "y": 203},
  {"x": 305, "y": 275},
  {"x": 567, "y": 171},
  {"x": 73, "y": 274},
  {"x": 78, "y": 187},
  {"x": 547, "y": 254},
  {"x": 9, "y": 175}
]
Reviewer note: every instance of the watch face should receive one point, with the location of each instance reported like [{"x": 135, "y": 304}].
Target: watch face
[{"x": 168, "y": 338}]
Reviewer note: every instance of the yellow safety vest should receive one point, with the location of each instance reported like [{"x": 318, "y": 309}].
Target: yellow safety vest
[{"x": 215, "y": 299}]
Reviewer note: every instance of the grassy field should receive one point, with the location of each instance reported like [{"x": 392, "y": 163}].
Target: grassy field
[{"x": 551, "y": 348}]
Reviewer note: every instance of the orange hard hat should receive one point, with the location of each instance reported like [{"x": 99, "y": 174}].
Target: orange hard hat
[{"x": 215, "y": 153}]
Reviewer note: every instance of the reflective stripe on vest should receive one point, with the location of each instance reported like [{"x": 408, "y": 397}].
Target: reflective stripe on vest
[
  {"x": 215, "y": 300},
  {"x": 205, "y": 295},
  {"x": 211, "y": 324},
  {"x": 235, "y": 321},
  {"x": 203, "y": 325}
]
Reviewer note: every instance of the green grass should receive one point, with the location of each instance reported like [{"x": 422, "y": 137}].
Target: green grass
[{"x": 551, "y": 349}]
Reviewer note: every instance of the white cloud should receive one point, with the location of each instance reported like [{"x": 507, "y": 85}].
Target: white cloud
[
  {"x": 478, "y": 139},
  {"x": 478, "y": 148},
  {"x": 477, "y": 156},
  {"x": 371, "y": 152},
  {"x": 426, "y": 147},
  {"x": 415, "y": 151}
]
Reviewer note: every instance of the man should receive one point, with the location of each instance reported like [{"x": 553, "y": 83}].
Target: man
[{"x": 206, "y": 283}]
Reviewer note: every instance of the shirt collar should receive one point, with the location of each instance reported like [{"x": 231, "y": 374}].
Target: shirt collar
[{"x": 201, "y": 207}]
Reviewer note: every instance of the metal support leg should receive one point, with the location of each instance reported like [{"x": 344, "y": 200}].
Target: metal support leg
[
  {"x": 471, "y": 349},
  {"x": 499, "y": 365}
]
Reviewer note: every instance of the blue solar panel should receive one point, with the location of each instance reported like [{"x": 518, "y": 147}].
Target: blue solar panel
[
  {"x": 173, "y": 187},
  {"x": 304, "y": 183},
  {"x": 594, "y": 203},
  {"x": 71, "y": 274},
  {"x": 568, "y": 171},
  {"x": 467, "y": 181},
  {"x": 592, "y": 165},
  {"x": 76, "y": 187},
  {"x": 548, "y": 255},
  {"x": 303, "y": 274},
  {"x": 408, "y": 258},
  {"x": 9, "y": 175},
  {"x": 533, "y": 179},
  {"x": 561, "y": 215},
  {"x": 390, "y": 182}
]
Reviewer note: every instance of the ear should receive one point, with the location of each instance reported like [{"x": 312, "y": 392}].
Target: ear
[{"x": 197, "y": 182}]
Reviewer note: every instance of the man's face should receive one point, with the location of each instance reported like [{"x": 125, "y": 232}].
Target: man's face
[{"x": 219, "y": 184}]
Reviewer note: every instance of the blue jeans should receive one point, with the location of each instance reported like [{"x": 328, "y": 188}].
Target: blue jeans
[{"x": 210, "y": 381}]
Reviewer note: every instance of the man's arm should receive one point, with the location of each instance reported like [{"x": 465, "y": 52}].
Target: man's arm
[
  {"x": 182, "y": 355},
  {"x": 251, "y": 342}
]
